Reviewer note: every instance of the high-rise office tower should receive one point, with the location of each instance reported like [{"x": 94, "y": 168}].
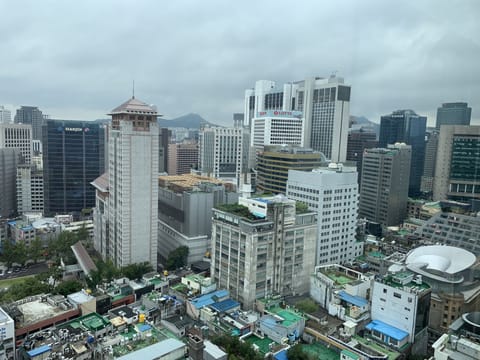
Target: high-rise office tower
[
  {"x": 223, "y": 153},
  {"x": 29, "y": 189},
  {"x": 9, "y": 160},
  {"x": 73, "y": 156},
  {"x": 431, "y": 146},
  {"x": 31, "y": 115},
  {"x": 332, "y": 192},
  {"x": 407, "y": 127},
  {"x": 163, "y": 142},
  {"x": 358, "y": 141},
  {"x": 17, "y": 136},
  {"x": 5, "y": 115},
  {"x": 457, "y": 113},
  {"x": 265, "y": 247},
  {"x": 325, "y": 104},
  {"x": 274, "y": 127},
  {"x": 274, "y": 162},
  {"x": 384, "y": 190},
  {"x": 126, "y": 213},
  {"x": 457, "y": 169},
  {"x": 182, "y": 158}
]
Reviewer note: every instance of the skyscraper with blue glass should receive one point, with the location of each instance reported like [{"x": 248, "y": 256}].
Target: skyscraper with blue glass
[
  {"x": 73, "y": 156},
  {"x": 406, "y": 126}
]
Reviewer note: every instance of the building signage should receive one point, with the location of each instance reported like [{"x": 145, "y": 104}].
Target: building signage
[{"x": 279, "y": 113}]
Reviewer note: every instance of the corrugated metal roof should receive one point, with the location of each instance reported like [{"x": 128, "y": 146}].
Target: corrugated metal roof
[
  {"x": 388, "y": 330},
  {"x": 154, "y": 351}
]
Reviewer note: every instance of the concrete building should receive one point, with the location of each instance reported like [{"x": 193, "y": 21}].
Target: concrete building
[
  {"x": 275, "y": 127},
  {"x": 325, "y": 104},
  {"x": 456, "y": 113},
  {"x": 452, "y": 229},
  {"x": 127, "y": 205},
  {"x": 402, "y": 301},
  {"x": 31, "y": 115},
  {"x": 262, "y": 247},
  {"x": 29, "y": 189},
  {"x": 358, "y": 141},
  {"x": 73, "y": 156},
  {"x": 185, "y": 205},
  {"x": 332, "y": 193},
  {"x": 163, "y": 142},
  {"x": 407, "y": 127},
  {"x": 5, "y": 115},
  {"x": 450, "y": 272},
  {"x": 274, "y": 162},
  {"x": 223, "y": 154},
  {"x": 17, "y": 136},
  {"x": 9, "y": 160},
  {"x": 431, "y": 147},
  {"x": 343, "y": 292},
  {"x": 384, "y": 190},
  {"x": 182, "y": 158},
  {"x": 457, "y": 175},
  {"x": 7, "y": 336}
]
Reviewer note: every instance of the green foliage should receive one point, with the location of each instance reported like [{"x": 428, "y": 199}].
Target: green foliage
[
  {"x": 28, "y": 287},
  {"x": 307, "y": 306},
  {"x": 238, "y": 210},
  {"x": 68, "y": 287},
  {"x": 236, "y": 349},
  {"x": 35, "y": 250},
  {"x": 297, "y": 353},
  {"x": 301, "y": 207},
  {"x": 136, "y": 271},
  {"x": 177, "y": 258}
]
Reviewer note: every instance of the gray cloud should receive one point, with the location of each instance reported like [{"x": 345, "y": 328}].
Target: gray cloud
[{"x": 77, "y": 59}]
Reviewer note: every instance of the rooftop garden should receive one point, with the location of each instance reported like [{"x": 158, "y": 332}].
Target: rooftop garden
[{"x": 237, "y": 209}]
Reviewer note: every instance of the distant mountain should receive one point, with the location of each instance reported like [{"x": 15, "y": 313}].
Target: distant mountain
[
  {"x": 189, "y": 121},
  {"x": 362, "y": 122}
]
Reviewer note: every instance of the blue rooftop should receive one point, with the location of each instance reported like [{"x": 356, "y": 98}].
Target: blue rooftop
[
  {"x": 355, "y": 300},
  {"x": 210, "y": 298},
  {"x": 282, "y": 355},
  {"x": 266, "y": 201},
  {"x": 225, "y": 305},
  {"x": 144, "y": 327},
  {"x": 388, "y": 330},
  {"x": 38, "y": 351}
]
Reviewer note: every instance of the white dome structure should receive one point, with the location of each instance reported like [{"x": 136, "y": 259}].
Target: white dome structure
[{"x": 442, "y": 263}]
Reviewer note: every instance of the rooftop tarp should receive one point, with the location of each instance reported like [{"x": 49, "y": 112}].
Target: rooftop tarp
[
  {"x": 386, "y": 329},
  {"x": 355, "y": 300}
]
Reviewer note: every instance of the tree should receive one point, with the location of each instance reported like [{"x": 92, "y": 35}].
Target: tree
[
  {"x": 136, "y": 271},
  {"x": 8, "y": 252},
  {"x": 35, "y": 249},
  {"x": 20, "y": 252},
  {"x": 297, "y": 353},
  {"x": 177, "y": 258},
  {"x": 307, "y": 306},
  {"x": 68, "y": 287}
]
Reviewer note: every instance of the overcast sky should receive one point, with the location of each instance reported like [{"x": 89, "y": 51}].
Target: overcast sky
[{"x": 77, "y": 59}]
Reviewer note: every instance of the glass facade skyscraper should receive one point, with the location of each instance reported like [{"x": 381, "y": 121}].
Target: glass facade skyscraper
[
  {"x": 407, "y": 127},
  {"x": 73, "y": 156},
  {"x": 457, "y": 113}
]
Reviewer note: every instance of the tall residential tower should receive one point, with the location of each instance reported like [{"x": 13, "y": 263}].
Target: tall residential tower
[{"x": 126, "y": 214}]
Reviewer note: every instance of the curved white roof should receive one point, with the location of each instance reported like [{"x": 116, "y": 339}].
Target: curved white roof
[{"x": 447, "y": 259}]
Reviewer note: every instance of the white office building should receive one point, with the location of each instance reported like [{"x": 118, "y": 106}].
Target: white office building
[
  {"x": 324, "y": 103},
  {"x": 17, "y": 136},
  {"x": 29, "y": 189},
  {"x": 5, "y": 115},
  {"x": 127, "y": 203},
  {"x": 333, "y": 193},
  {"x": 223, "y": 154},
  {"x": 276, "y": 127}
]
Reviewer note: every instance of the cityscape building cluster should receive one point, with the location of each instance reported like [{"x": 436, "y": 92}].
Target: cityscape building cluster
[{"x": 297, "y": 224}]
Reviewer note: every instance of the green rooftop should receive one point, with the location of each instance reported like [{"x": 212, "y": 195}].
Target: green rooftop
[
  {"x": 263, "y": 344},
  {"x": 92, "y": 322},
  {"x": 376, "y": 254},
  {"x": 392, "y": 355},
  {"x": 289, "y": 317},
  {"x": 320, "y": 351},
  {"x": 339, "y": 278},
  {"x": 393, "y": 281}
]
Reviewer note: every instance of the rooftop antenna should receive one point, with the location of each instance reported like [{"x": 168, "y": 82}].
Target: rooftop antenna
[{"x": 133, "y": 90}]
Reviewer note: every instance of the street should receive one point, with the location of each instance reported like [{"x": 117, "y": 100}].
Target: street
[{"x": 32, "y": 269}]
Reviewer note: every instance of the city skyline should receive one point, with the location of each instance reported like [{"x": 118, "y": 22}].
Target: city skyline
[{"x": 74, "y": 63}]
